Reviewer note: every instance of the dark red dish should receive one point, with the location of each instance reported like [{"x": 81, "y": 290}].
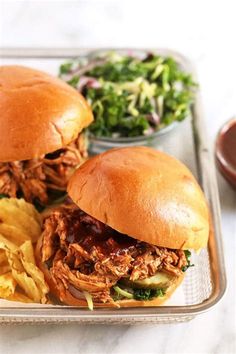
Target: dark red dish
[{"x": 226, "y": 151}]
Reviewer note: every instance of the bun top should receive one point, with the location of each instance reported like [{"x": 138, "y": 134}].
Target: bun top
[
  {"x": 38, "y": 113},
  {"x": 145, "y": 194}
]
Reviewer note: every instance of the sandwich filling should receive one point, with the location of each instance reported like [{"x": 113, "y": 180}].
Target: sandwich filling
[
  {"x": 91, "y": 260},
  {"x": 36, "y": 179}
]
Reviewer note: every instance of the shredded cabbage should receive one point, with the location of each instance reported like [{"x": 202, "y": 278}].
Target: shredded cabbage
[
  {"x": 89, "y": 300},
  {"x": 123, "y": 292}
]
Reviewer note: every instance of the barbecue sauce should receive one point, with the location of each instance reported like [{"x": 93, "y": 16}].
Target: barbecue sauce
[
  {"x": 226, "y": 151},
  {"x": 89, "y": 232}
]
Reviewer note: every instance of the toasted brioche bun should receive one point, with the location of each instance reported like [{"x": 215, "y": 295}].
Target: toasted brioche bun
[
  {"x": 145, "y": 194},
  {"x": 38, "y": 113},
  {"x": 67, "y": 298}
]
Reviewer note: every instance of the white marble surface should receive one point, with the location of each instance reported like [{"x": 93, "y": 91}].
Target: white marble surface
[{"x": 202, "y": 30}]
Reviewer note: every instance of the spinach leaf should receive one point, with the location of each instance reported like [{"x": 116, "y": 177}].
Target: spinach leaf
[
  {"x": 65, "y": 68},
  {"x": 74, "y": 81},
  {"x": 148, "y": 294},
  {"x": 187, "y": 255}
]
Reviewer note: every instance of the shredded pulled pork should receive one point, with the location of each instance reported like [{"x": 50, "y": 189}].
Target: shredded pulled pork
[
  {"x": 84, "y": 254},
  {"x": 33, "y": 179}
]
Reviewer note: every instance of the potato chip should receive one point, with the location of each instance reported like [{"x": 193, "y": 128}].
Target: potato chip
[
  {"x": 5, "y": 268},
  {"x": 14, "y": 234},
  {"x": 27, "y": 252},
  {"x": 17, "y": 296},
  {"x": 23, "y": 280},
  {"x": 27, "y": 259},
  {"x": 20, "y": 278},
  {"x": 27, "y": 284},
  {"x": 6, "y": 244},
  {"x": 12, "y": 215},
  {"x": 3, "y": 257},
  {"x": 27, "y": 208},
  {"x": 7, "y": 285}
]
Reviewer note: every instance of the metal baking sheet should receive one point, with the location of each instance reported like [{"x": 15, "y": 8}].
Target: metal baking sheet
[{"x": 204, "y": 284}]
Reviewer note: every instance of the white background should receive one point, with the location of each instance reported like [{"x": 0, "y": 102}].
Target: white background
[{"x": 205, "y": 31}]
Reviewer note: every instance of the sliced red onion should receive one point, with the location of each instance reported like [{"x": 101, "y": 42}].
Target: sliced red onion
[
  {"x": 75, "y": 292},
  {"x": 88, "y": 82},
  {"x": 130, "y": 53},
  {"x": 81, "y": 70},
  {"x": 148, "y": 131},
  {"x": 153, "y": 118}
]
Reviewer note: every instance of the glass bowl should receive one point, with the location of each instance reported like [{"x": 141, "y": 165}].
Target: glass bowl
[
  {"x": 101, "y": 144},
  {"x": 98, "y": 145}
]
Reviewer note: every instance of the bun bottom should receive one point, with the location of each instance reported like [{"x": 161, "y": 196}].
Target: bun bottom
[{"x": 68, "y": 299}]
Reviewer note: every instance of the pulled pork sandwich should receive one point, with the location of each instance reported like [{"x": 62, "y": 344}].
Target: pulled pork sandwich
[
  {"x": 125, "y": 240},
  {"x": 40, "y": 141}
]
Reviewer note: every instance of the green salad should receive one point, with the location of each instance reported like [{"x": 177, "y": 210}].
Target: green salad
[{"x": 130, "y": 96}]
